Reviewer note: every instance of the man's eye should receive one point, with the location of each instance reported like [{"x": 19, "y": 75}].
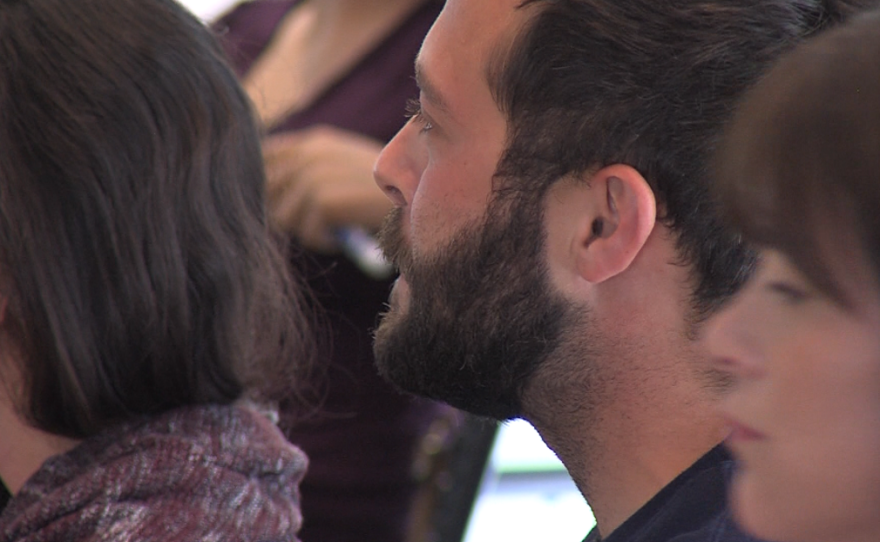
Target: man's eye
[
  {"x": 414, "y": 111},
  {"x": 789, "y": 292}
]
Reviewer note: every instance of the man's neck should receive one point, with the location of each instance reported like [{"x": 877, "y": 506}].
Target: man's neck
[{"x": 623, "y": 452}]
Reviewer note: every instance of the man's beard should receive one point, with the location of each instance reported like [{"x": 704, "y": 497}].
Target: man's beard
[{"x": 481, "y": 315}]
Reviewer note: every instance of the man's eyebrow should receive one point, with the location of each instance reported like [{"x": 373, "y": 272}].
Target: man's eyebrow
[{"x": 429, "y": 90}]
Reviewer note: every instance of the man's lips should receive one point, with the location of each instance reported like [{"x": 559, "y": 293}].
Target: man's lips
[{"x": 399, "y": 291}]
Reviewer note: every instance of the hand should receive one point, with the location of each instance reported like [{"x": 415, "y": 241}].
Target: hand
[{"x": 321, "y": 179}]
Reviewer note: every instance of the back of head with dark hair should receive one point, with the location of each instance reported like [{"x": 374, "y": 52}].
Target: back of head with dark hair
[
  {"x": 650, "y": 84},
  {"x": 134, "y": 254},
  {"x": 799, "y": 167}
]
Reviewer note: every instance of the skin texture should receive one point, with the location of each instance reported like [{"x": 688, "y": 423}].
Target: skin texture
[
  {"x": 567, "y": 307},
  {"x": 24, "y": 449},
  {"x": 805, "y": 411}
]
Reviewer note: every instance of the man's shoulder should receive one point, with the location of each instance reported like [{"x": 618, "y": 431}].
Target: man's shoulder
[
  {"x": 721, "y": 528},
  {"x": 692, "y": 508}
]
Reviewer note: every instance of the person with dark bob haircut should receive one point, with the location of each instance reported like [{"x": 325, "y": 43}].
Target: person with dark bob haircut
[
  {"x": 799, "y": 176},
  {"x": 146, "y": 315}
]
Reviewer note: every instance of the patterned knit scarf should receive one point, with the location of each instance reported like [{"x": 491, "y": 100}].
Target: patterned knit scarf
[{"x": 215, "y": 473}]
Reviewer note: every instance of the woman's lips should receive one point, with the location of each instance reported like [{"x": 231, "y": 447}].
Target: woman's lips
[{"x": 739, "y": 432}]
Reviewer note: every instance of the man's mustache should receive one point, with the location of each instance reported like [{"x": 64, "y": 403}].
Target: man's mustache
[{"x": 393, "y": 243}]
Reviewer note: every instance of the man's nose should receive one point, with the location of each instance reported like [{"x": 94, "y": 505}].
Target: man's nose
[{"x": 399, "y": 167}]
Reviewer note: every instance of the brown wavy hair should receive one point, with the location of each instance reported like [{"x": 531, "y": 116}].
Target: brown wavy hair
[{"x": 135, "y": 260}]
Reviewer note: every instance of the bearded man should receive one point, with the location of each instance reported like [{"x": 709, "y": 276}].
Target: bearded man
[{"x": 557, "y": 247}]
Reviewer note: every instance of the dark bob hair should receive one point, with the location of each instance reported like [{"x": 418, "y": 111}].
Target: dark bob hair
[
  {"x": 136, "y": 269},
  {"x": 800, "y": 163}
]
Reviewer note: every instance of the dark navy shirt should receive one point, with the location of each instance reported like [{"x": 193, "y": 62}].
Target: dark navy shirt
[
  {"x": 692, "y": 508},
  {"x": 4, "y": 496}
]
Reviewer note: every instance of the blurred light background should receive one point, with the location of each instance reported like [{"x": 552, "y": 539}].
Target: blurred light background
[{"x": 207, "y": 10}]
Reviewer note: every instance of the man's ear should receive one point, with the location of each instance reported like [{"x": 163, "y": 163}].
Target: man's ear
[{"x": 624, "y": 212}]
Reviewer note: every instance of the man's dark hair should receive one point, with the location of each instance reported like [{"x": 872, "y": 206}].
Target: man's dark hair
[
  {"x": 135, "y": 261},
  {"x": 589, "y": 83},
  {"x": 799, "y": 168}
]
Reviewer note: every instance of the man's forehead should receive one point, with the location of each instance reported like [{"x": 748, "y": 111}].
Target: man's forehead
[
  {"x": 482, "y": 24},
  {"x": 429, "y": 90},
  {"x": 478, "y": 17},
  {"x": 468, "y": 36}
]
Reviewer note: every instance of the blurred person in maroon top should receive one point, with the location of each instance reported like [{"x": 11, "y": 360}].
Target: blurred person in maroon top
[{"x": 330, "y": 81}]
